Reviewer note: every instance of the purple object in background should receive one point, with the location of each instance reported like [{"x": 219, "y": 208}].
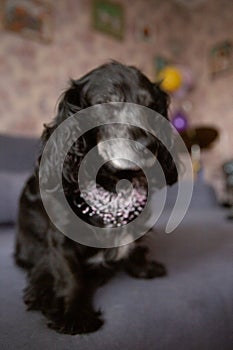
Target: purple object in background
[
  {"x": 187, "y": 84},
  {"x": 180, "y": 121}
]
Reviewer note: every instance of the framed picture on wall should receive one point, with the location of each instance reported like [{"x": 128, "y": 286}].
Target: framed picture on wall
[
  {"x": 30, "y": 18},
  {"x": 221, "y": 58},
  {"x": 108, "y": 18}
]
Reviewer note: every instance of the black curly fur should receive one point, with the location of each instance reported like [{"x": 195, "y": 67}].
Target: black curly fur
[{"x": 61, "y": 279}]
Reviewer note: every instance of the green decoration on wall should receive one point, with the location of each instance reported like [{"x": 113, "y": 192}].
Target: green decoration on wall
[
  {"x": 108, "y": 18},
  {"x": 221, "y": 58}
]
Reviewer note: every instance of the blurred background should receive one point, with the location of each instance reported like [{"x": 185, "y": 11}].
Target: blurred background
[
  {"x": 44, "y": 43},
  {"x": 187, "y": 45}
]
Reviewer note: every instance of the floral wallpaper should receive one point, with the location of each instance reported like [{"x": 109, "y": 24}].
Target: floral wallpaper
[
  {"x": 212, "y": 99},
  {"x": 34, "y": 74}
]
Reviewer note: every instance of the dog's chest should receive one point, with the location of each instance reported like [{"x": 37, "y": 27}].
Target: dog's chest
[{"x": 110, "y": 255}]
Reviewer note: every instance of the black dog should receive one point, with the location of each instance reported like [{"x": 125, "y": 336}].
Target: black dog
[{"x": 63, "y": 274}]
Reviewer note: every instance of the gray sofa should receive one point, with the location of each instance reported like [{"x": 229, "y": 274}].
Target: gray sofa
[{"x": 190, "y": 309}]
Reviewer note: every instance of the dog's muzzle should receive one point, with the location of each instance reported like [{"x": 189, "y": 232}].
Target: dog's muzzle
[
  {"x": 105, "y": 208},
  {"x": 121, "y": 158}
]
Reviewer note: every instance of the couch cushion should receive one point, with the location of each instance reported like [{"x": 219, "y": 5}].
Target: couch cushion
[
  {"x": 190, "y": 308},
  {"x": 17, "y": 154},
  {"x": 11, "y": 184},
  {"x": 17, "y": 157}
]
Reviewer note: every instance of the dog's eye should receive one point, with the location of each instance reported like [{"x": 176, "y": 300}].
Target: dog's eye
[{"x": 143, "y": 141}]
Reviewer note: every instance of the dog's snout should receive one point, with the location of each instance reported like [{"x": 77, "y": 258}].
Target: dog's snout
[{"x": 140, "y": 153}]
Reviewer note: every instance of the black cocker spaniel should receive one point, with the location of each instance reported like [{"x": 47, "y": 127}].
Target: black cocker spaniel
[{"x": 63, "y": 274}]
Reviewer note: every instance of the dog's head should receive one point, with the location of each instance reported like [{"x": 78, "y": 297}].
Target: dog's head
[{"x": 115, "y": 82}]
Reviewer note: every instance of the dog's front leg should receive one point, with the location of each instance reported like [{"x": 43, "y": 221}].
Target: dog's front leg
[
  {"x": 57, "y": 287},
  {"x": 138, "y": 265}
]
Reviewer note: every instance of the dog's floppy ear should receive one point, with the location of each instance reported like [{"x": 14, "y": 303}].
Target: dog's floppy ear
[
  {"x": 70, "y": 103},
  {"x": 166, "y": 160},
  {"x": 168, "y": 164},
  {"x": 161, "y": 100}
]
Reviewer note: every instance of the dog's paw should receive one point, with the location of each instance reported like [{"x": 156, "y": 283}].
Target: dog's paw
[
  {"x": 30, "y": 299},
  {"x": 39, "y": 299},
  {"x": 139, "y": 266},
  {"x": 80, "y": 323},
  {"x": 150, "y": 269},
  {"x": 155, "y": 269}
]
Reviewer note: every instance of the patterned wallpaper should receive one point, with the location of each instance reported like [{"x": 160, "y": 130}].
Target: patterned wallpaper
[
  {"x": 34, "y": 74},
  {"x": 212, "y": 99}
]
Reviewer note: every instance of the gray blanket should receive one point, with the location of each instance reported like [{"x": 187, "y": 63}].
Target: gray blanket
[{"x": 190, "y": 309}]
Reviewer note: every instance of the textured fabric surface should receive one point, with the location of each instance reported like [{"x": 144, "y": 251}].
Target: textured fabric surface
[
  {"x": 191, "y": 308},
  {"x": 11, "y": 184},
  {"x": 17, "y": 154}
]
